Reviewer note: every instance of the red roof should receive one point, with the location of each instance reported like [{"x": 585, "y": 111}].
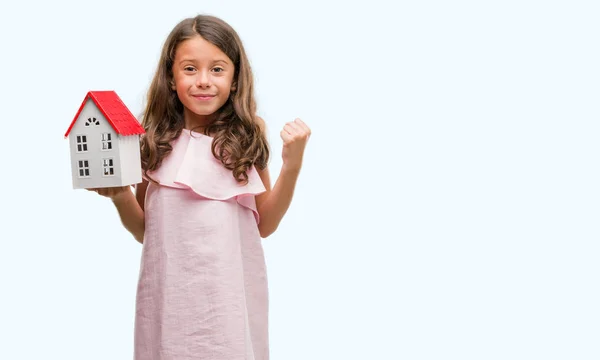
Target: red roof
[{"x": 114, "y": 110}]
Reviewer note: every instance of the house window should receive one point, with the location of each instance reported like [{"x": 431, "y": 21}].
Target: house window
[
  {"x": 92, "y": 120},
  {"x": 81, "y": 143},
  {"x": 106, "y": 141},
  {"x": 84, "y": 168},
  {"x": 108, "y": 167}
]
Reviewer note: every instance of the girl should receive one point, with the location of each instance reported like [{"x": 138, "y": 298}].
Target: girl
[{"x": 205, "y": 201}]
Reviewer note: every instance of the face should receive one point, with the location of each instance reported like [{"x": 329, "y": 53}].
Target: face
[{"x": 203, "y": 77}]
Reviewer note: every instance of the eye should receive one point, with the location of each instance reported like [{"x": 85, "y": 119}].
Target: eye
[
  {"x": 218, "y": 69},
  {"x": 189, "y": 68}
]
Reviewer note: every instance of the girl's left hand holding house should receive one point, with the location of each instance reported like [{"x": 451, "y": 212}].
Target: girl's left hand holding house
[{"x": 112, "y": 192}]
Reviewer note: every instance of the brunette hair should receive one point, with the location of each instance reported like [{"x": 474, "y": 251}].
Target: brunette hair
[{"x": 239, "y": 141}]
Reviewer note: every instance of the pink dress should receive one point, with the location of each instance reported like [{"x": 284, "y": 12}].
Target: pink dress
[{"x": 202, "y": 290}]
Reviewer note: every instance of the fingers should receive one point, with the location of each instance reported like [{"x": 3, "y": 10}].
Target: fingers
[
  {"x": 297, "y": 127},
  {"x": 99, "y": 191},
  {"x": 302, "y": 125},
  {"x": 291, "y": 128},
  {"x": 295, "y": 130},
  {"x": 286, "y": 136}
]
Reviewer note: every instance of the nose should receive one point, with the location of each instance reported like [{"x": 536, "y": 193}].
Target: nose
[{"x": 203, "y": 79}]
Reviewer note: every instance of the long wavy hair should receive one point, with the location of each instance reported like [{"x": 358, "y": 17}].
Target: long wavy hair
[{"x": 239, "y": 142}]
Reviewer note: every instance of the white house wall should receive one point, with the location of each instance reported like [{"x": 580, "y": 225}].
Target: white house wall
[
  {"x": 131, "y": 166},
  {"x": 94, "y": 154}
]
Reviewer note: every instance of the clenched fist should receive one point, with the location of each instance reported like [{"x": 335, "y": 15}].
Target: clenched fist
[{"x": 295, "y": 135}]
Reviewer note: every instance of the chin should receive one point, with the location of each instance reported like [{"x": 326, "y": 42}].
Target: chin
[{"x": 203, "y": 111}]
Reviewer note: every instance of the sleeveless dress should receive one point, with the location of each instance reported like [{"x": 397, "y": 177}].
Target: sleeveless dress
[{"x": 202, "y": 288}]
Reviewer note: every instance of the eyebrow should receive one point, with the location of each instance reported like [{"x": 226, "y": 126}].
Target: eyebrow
[{"x": 194, "y": 61}]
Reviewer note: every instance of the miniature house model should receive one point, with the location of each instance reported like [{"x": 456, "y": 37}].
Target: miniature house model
[{"x": 104, "y": 138}]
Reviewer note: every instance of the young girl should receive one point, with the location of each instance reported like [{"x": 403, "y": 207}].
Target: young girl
[{"x": 205, "y": 202}]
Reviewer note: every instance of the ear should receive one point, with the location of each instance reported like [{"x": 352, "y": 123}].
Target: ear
[
  {"x": 172, "y": 83},
  {"x": 233, "y": 87}
]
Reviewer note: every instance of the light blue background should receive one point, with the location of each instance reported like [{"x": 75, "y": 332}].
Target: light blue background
[{"x": 447, "y": 208}]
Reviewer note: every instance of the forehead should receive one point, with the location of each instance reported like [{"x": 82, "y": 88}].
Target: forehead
[{"x": 198, "y": 49}]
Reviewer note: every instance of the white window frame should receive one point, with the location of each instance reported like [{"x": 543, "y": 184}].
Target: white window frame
[
  {"x": 106, "y": 141},
  {"x": 83, "y": 165},
  {"x": 108, "y": 164},
  {"x": 81, "y": 144}
]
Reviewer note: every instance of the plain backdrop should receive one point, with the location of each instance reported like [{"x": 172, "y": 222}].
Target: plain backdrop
[{"x": 447, "y": 208}]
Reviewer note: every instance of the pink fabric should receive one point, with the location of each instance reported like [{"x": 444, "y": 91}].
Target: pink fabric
[{"x": 202, "y": 290}]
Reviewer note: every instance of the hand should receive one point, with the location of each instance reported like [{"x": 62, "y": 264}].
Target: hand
[
  {"x": 111, "y": 192},
  {"x": 295, "y": 135}
]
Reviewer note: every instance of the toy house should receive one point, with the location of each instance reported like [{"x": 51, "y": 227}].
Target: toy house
[{"x": 104, "y": 139}]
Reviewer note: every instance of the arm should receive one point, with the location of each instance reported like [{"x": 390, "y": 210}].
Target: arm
[
  {"x": 129, "y": 206},
  {"x": 274, "y": 203},
  {"x": 131, "y": 210}
]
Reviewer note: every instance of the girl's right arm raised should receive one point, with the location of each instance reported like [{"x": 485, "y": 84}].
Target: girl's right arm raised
[{"x": 129, "y": 206}]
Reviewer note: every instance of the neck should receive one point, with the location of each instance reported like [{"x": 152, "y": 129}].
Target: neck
[{"x": 197, "y": 122}]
